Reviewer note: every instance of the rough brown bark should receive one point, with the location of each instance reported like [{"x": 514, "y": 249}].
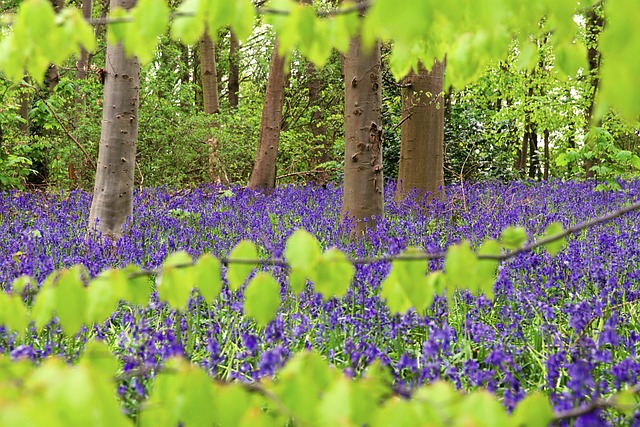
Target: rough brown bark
[
  {"x": 363, "y": 199},
  {"x": 209, "y": 75},
  {"x": 234, "y": 70},
  {"x": 422, "y": 133},
  {"x": 263, "y": 175},
  {"x": 112, "y": 200}
]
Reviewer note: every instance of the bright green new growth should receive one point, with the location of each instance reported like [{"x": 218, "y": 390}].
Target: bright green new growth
[{"x": 471, "y": 35}]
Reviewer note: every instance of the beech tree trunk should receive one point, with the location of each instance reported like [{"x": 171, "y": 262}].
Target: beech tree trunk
[
  {"x": 263, "y": 175},
  {"x": 209, "y": 75},
  {"x": 112, "y": 202},
  {"x": 363, "y": 200},
  {"x": 234, "y": 70},
  {"x": 422, "y": 133}
]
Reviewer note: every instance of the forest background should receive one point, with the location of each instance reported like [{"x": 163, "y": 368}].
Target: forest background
[{"x": 524, "y": 116}]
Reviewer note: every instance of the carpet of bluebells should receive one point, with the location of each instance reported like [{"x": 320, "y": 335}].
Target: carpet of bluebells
[{"x": 568, "y": 325}]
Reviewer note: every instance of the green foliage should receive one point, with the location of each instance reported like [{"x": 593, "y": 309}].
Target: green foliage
[{"x": 610, "y": 161}]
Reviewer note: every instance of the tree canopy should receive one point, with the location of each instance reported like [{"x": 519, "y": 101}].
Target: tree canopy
[{"x": 471, "y": 33}]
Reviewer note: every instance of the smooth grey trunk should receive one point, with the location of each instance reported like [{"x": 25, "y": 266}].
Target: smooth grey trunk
[
  {"x": 421, "y": 166},
  {"x": 263, "y": 175},
  {"x": 112, "y": 202},
  {"x": 209, "y": 74},
  {"x": 363, "y": 200}
]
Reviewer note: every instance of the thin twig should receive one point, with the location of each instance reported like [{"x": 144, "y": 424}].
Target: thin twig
[
  {"x": 64, "y": 128},
  {"x": 590, "y": 407},
  {"x": 397, "y": 125}
]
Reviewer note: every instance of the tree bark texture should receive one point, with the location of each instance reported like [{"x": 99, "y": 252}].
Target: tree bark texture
[
  {"x": 234, "y": 70},
  {"x": 263, "y": 175},
  {"x": 209, "y": 75},
  {"x": 112, "y": 202},
  {"x": 363, "y": 199},
  {"x": 533, "y": 152},
  {"x": 421, "y": 166}
]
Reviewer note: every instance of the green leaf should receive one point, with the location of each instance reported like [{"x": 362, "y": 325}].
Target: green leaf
[
  {"x": 571, "y": 57},
  {"x": 150, "y": 19},
  {"x": 262, "y": 298},
  {"x": 487, "y": 269},
  {"x": 117, "y": 32},
  {"x": 13, "y": 313},
  {"x": 482, "y": 408},
  {"x": 104, "y": 294},
  {"x": 625, "y": 402},
  {"x": 458, "y": 263},
  {"x": 303, "y": 253},
  {"x": 406, "y": 285},
  {"x": 21, "y": 283},
  {"x": 533, "y": 411},
  {"x": 189, "y": 25},
  {"x": 302, "y": 250},
  {"x": 562, "y": 160},
  {"x": 43, "y": 308},
  {"x": 513, "y": 237},
  {"x": 199, "y": 393},
  {"x": 333, "y": 274},
  {"x": 237, "y": 272},
  {"x": 335, "y": 406},
  {"x": 208, "y": 277},
  {"x": 71, "y": 299},
  {"x": 557, "y": 245},
  {"x": 302, "y": 381},
  {"x": 139, "y": 287},
  {"x": 231, "y": 403},
  {"x": 177, "y": 280}
]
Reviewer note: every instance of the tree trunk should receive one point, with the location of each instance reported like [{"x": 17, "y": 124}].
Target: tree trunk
[
  {"x": 263, "y": 175},
  {"x": 422, "y": 133},
  {"x": 594, "y": 26},
  {"x": 533, "y": 152},
  {"x": 321, "y": 143},
  {"x": 83, "y": 61},
  {"x": 234, "y": 70},
  {"x": 363, "y": 200},
  {"x": 112, "y": 200},
  {"x": 209, "y": 75},
  {"x": 546, "y": 155}
]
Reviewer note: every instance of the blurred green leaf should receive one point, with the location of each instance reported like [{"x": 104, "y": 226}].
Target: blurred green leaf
[
  {"x": 177, "y": 280},
  {"x": 71, "y": 299},
  {"x": 237, "y": 272},
  {"x": 333, "y": 274},
  {"x": 513, "y": 237},
  {"x": 533, "y": 411},
  {"x": 557, "y": 245},
  {"x": 208, "y": 277},
  {"x": 262, "y": 298}
]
